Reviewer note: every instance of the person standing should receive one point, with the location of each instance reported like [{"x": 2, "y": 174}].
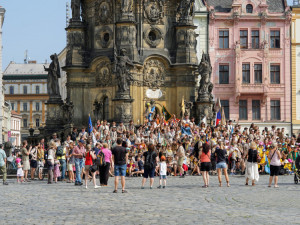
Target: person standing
[
  {"x": 275, "y": 164},
  {"x": 220, "y": 154},
  {"x": 181, "y": 155},
  {"x": 150, "y": 158},
  {"x": 63, "y": 162},
  {"x": 50, "y": 161},
  {"x": 252, "y": 166},
  {"x": 104, "y": 170},
  {"x": 120, "y": 159},
  {"x": 25, "y": 159},
  {"x": 71, "y": 162},
  {"x": 89, "y": 157},
  {"x": 33, "y": 161},
  {"x": 205, "y": 164},
  {"x": 3, "y": 164},
  {"x": 78, "y": 153}
]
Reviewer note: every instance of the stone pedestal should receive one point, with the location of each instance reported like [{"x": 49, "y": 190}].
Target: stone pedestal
[
  {"x": 204, "y": 109},
  {"x": 54, "y": 119},
  {"x": 186, "y": 44},
  {"x": 123, "y": 112}
]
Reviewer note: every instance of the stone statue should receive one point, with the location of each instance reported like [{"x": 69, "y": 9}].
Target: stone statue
[
  {"x": 123, "y": 75},
  {"x": 186, "y": 10},
  {"x": 53, "y": 75},
  {"x": 205, "y": 70},
  {"x": 75, "y": 6},
  {"x": 68, "y": 111},
  {"x": 127, "y": 6}
]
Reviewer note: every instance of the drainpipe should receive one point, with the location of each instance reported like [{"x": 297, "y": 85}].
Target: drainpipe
[{"x": 291, "y": 77}]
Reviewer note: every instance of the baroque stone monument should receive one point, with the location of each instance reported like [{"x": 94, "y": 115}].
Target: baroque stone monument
[{"x": 122, "y": 54}]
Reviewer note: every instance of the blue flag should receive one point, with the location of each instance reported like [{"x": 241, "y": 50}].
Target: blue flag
[
  {"x": 90, "y": 125},
  {"x": 151, "y": 113}
]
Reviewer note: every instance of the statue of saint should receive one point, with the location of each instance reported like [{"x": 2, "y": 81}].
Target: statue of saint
[
  {"x": 75, "y": 6},
  {"x": 53, "y": 75},
  {"x": 123, "y": 74},
  {"x": 127, "y": 6},
  {"x": 186, "y": 10},
  {"x": 205, "y": 71}
]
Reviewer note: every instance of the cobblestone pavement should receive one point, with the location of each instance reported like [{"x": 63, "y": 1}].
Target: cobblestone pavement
[{"x": 182, "y": 202}]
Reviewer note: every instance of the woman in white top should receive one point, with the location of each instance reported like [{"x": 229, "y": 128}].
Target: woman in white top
[{"x": 275, "y": 165}]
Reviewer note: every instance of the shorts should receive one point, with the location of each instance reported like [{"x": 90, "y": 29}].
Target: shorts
[
  {"x": 149, "y": 172},
  {"x": 40, "y": 163},
  {"x": 163, "y": 177},
  {"x": 180, "y": 161},
  {"x": 205, "y": 166},
  {"x": 26, "y": 165},
  {"x": 120, "y": 170},
  {"x": 221, "y": 165},
  {"x": 70, "y": 167},
  {"x": 87, "y": 167},
  {"x": 33, "y": 164},
  {"x": 274, "y": 170}
]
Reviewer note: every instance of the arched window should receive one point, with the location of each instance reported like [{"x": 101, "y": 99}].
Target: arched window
[
  {"x": 105, "y": 108},
  {"x": 249, "y": 8}
]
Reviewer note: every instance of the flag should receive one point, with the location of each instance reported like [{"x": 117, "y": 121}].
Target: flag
[
  {"x": 204, "y": 120},
  {"x": 182, "y": 106},
  {"x": 90, "y": 125},
  {"x": 166, "y": 114},
  {"x": 186, "y": 131},
  {"x": 223, "y": 121},
  {"x": 218, "y": 118},
  {"x": 151, "y": 113}
]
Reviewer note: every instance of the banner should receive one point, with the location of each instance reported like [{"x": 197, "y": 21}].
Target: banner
[{"x": 166, "y": 113}]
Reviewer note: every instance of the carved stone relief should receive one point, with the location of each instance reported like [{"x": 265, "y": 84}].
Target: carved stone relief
[
  {"x": 126, "y": 34},
  {"x": 154, "y": 11},
  {"x": 103, "y": 74},
  {"x": 154, "y": 74},
  {"x": 103, "y": 12}
]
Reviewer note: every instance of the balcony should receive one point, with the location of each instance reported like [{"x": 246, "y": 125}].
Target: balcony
[{"x": 253, "y": 89}]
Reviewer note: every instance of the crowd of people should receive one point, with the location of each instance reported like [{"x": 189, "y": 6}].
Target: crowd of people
[{"x": 177, "y": 147}]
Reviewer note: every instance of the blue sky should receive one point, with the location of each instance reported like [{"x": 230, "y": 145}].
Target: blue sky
[{"x": 34, "y": 25}]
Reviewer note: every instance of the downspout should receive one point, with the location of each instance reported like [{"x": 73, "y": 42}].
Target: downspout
[{"x": 291, "y": 78}]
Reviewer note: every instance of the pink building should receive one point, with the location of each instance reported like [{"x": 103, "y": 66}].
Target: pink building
[{"x": 249, "y": 46}]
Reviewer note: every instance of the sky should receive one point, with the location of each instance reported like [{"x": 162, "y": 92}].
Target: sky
[{"x": 34, "y": 25}]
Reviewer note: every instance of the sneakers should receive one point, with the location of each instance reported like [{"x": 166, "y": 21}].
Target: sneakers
[
  {"x": 5, "y": 183},
  {"x": 164, "y": 186},
  {"x": 142, "y": 187},
  {"x": 159, "y": 187},
  {"x": 96, "y": 187}
]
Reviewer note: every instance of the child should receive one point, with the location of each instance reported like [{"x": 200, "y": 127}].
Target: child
[
  {"x": 163, "y": 172},
  {"x": 56, "y": 171},
  {"x": 20, "y": 172}
]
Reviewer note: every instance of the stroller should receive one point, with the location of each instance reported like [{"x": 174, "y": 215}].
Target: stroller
[{"x": 297, "y": 170}]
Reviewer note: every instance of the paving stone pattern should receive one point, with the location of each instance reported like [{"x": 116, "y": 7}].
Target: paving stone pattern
[{"x": 182, "y": 202}]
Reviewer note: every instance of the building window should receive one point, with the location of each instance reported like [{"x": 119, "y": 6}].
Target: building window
[
  {"x": 246, "y": 73},
  {"x": 25, "y": 106},
  {"x": 275, "y": 74},
  {"x": 223, "y": 39},
  {"x": 225, "y": 105},
  {"x": 256, "y": 109},
  {"x": 249, "y": 8},
  {"x": 11, "y": 90},
  {"x": 25, "y": 90},
  {"x": 275, "y": 109},
  {"x": 244, "y": 38},
  {"x": 257, "y": 73},
  {"x": 243, "y": 113},
  {"x": 37, "y": 122},
  {"x": 12, "y": 104},
  {"x": 37, "y": 106},
  {"x": 223, "y": 74},
  {"x": 255, "y": 39},
  {"x": 275, "y": 39},
  {"x": 37, "y": 89},
  {"x": 24, "y": 122}
]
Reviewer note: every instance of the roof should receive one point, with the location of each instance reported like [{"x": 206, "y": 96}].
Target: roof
[
  {"x": 25, "y": 69},
  {"x": 275, "y": 6},
  {"x": 15, "y": 113}
]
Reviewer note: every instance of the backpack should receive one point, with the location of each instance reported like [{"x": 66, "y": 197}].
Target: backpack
[
  {"x": 149, "y": 162},
  {"x": 59, "y": 151},
  {"x": 100, "y": 161}
]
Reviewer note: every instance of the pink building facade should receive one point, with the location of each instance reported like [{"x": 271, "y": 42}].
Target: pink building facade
[{"x": 249, "y": 46}]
